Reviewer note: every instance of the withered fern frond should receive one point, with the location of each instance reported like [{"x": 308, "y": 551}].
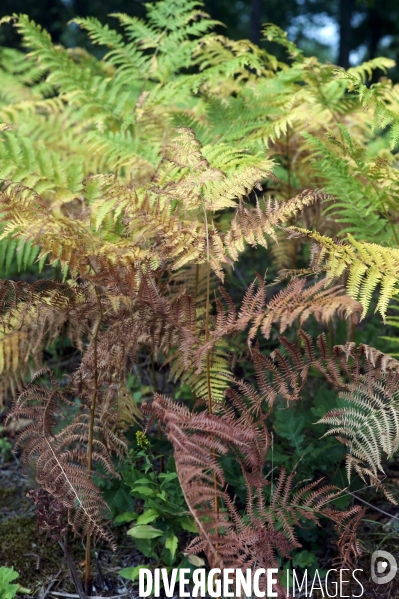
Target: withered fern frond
[
  {"x": 199, "y": 439},
  {"x": 297, "y": 302},
  {"x": 229, "y": 539},
  {"x": 59, "y": 458}
]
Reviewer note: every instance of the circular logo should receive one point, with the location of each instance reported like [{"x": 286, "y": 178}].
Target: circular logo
[{"x": 380, "y": 573}]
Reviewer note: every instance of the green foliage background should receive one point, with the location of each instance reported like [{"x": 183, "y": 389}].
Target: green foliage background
[{"x": 84, "y": 130}]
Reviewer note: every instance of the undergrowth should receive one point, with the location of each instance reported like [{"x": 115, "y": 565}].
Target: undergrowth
[{"x": 194, "y": 233}]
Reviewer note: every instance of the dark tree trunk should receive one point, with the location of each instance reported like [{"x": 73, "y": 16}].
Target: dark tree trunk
[
  {"x": 376, "y": 32},
  {"x": 346, "y": 8},
  {"x": 255, "y": 22}
]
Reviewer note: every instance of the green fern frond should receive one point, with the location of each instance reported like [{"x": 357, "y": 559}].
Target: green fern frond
[
  {"x": 368, "y": 424},
  {"x": 365, "y": 71},
  {"x": 357, "y": 206},
  {"x": 378, "y": 98}
]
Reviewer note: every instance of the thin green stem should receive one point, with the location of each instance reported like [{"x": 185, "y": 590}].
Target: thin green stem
[{"x": 208, "y": 360}]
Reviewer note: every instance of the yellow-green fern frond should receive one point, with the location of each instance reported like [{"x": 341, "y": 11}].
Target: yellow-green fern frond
[
  {"x": 365, "y": 71},
  {"x": 368, "y": 265},
  {"x": 380, "y": 99}
]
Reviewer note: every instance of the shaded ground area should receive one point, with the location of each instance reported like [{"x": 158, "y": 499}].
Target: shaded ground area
[
  {"x": 41, "y": 562},
  {"x": 43, "y": 568}
]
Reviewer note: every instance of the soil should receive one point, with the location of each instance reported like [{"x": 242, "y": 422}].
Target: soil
[
  {"x": 42, "y": 566},
  {"x": 39, "y": 561}
]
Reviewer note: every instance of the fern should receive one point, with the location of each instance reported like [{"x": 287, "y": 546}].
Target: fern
[
  {"x": 368, "y": 264},
  {"x": 378, "y": 97},
  {"x": 228, "y": 539},
  {"x": 357, "y": 206},
  {"x": 369, "y": 427},
  {"x": 143, "y": 177},
  {"x": 57, "y": 462}
]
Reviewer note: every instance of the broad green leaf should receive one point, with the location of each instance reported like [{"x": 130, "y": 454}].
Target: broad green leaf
[
  {"x": 168, "y": 477},
  {"x": 119, "y": 499},
  {"x": 187, "y": 523},
  {"x": 143, "y": 490},
  {"x": 143, "y": 481},
  {"x": 131, "y": 573},
  {"x": 171, "y": 543},
  {"x": 144, "y": 531},
  {"x": 125, "y": 517},
  {"x": 147, "y": 516},
  {"x": 7, "y": 575}
]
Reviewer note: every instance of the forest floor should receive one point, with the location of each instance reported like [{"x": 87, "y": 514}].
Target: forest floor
[
  {"x": 42, "y": 566},
  {"x": 41, "y": 563}
]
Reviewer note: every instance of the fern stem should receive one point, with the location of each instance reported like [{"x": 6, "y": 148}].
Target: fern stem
[
  {"x": 159, "y": 429},
  {"x": 289, "y": 165},
  {"x": 393, "y": 230},
  {"x": 91, "y": 431},
  {"x": 208, "y": 359},
  {"x": 196, "y": 280},
  {"x": 207, "y": 308},
  {"x": 72, "y": 568}
]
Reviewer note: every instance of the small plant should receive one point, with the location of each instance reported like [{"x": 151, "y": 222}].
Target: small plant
[
  {"x": 5, "y": 447},
  {"x": 8, "y": 590},
  {"x": 164, "y": 516}
]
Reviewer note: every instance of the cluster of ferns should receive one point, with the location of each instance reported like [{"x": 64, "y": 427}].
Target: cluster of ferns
[{"x": 132, "y": 186}]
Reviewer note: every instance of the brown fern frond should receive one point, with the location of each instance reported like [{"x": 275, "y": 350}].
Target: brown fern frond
[
  {"x": 33, "y": 317},
  {"x": 17, "y": 298},
  {"x": 61, "y": 239},
  {"x": 310, "y": 502},
  {"x": 228, "y": 539},
  {"x": 299, "y": 302},
  {"x": 198, "y": 440},
  {"x": 295, "y": 302},
  {"x": 58, "y": 457},
  {"x": 346, "y": 525},
  {"x": 251, "y": 225},
  {"x": 368, "y": 381}
]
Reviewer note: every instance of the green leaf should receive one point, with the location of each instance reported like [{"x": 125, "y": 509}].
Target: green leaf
[
  {"x": 290, "y": 426},
  {"x": 11, "y": 247},
  {"x": 168, "y": 477},
  {"x": 131, "y": 573},
  {"x": 143, "y": 490},
  {"x": 147, "y": 516},
  {"x": 7, "y": 575},
  {"x": 20, "y": 253},
  {"x": 125, "y": 517},
  {"x": 145, "y": 481},
  {"x": 171, "y": 543},
  {"x": 119, "y": 499},
  {"x": 7, "y": 590},
  {"x": 188, "y": 524},
  {"x": 303, "y": 559},
  {"x": 148, "y": 547},
  {"x": 143, "y": 531}
]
